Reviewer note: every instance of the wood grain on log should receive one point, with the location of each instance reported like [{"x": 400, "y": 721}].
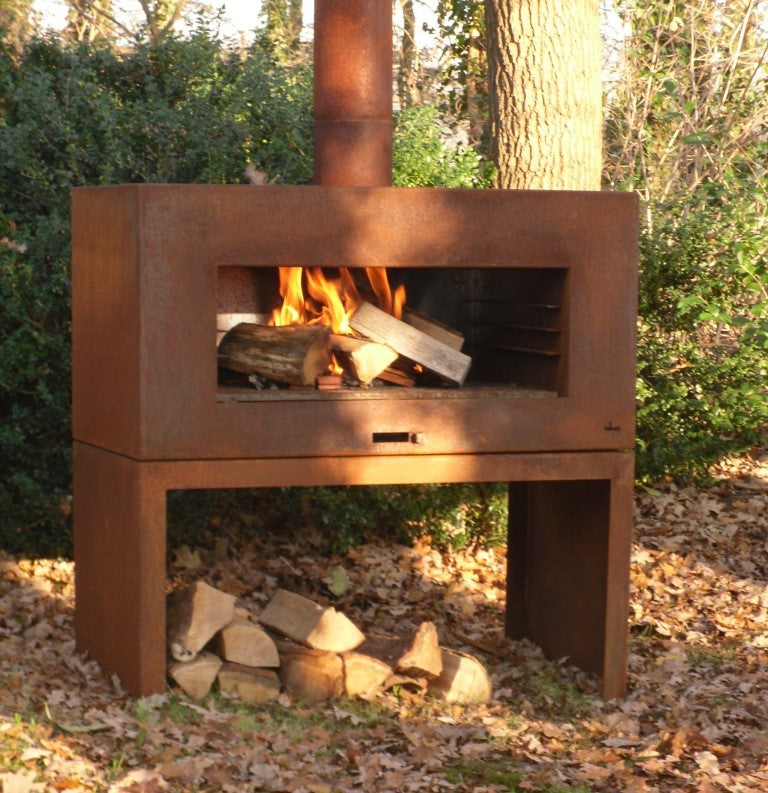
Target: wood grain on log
[
  {"x": 254, "y": 686},
  {"x": 244, "y": 642},
  {"x": 363, "y": 359},
  {"x": 463, "y": 679},
  {"x": 196, "y": 677},
  {"x": 437, "y": 330},
  {"x": 291, "y": 354},
  {"x": 194, "y": 615},
  {"x": 364, "y": 675},
  {"x": 423, "y": 656},
  {"x": 307, "y": 622},
  {"x": 377, "y": 325},
  {"x": 310, "y": 675}
]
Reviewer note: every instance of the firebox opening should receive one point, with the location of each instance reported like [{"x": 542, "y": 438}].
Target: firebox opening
[
  {"x": 513, "y": 322},
  {"x": 395, "y": 437}
]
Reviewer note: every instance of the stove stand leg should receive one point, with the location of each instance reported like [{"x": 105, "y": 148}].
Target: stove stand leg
[
  {"x": 568, "y": 571},
  {"x": 119, "y": 535}
]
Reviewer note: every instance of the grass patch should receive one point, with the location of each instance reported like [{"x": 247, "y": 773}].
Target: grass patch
[
  {"x": 296, "y": 720},
  {"x": 548, "y": 690},
  {"x": 502, "y": 775},
  {"x": 173, "y": 708},
  {"x": 179, "y": 712},
  {"x": 487, "y": 771},
  {"x": 712, "y": 656}
]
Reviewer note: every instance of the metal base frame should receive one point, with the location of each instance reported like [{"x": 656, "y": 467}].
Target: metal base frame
[{"x": 568, "y": 553}]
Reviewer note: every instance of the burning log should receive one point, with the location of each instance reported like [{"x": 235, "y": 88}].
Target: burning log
[
  {"x": 364, "y": 360},
  {"x": 437, "y": 330},
  {"x": 292, "y": 354},
  {"x": 449, "y": 364}
]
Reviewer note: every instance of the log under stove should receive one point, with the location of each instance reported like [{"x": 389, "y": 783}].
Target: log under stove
[{"x": 542, "y": 284}]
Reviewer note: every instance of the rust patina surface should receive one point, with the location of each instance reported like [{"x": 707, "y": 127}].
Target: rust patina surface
[{"x": 149, "y": 415}]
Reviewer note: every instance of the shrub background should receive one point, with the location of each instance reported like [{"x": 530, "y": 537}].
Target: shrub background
[
  {"x": 180, "y": 110},
  {"x": 186, "y": 109}
]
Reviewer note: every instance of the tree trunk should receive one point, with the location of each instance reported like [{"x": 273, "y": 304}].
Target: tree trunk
[
  {"x": 15, "y": 21},
  {"x": 284, "y": 21},
  {"x": 545, "y": 93},
  {"x": 88, "y": 20},
  {"x": 408, "y": 73}
]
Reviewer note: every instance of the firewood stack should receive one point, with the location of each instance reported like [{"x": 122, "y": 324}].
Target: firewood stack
[
  {"x": 312, "y": 652},
  {"x": 385, "y": 349}
]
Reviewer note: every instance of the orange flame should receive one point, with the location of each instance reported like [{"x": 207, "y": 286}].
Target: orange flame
[
  {"x": 380, "y": 284},
  {"x": 330, "y": 302},
  {"x": 292, "y": 310}
]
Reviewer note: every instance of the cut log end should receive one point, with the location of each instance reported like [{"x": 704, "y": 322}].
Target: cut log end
[
  {"x": 310, "y": 675},
  {"x": 196, "y": 676},
  {"x": 307, "y": 622},
  {"x": 254, "y": 686},
  {"x": 292, "y": 354},
  {"x": 463, "y": 679},
  {"x": 195, "y": 614}
]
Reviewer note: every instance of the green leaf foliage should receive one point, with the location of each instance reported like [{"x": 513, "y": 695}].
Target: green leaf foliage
[
  {"x": 703, "y": 346},
  {"x": 685, "y": 128},
  {"x": 181, "y": 109},
  {"x": 426, "y": 155}
]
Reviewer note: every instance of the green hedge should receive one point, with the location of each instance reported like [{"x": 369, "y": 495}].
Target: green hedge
[
  {"x": 183, "y": 110},
  {"x": 186, "y": 110},
  {"x": 703, "y": 332}
]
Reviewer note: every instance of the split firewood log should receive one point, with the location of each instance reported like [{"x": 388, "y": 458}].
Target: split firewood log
[
  {"x": 430, "y": 326},
  {"x": 310, "y": 675},
  {"x": 446, "y": 362},
  {"x": 417, "y": 657},
  {"x": 196, "y": 677},
  {"x": 307, "y": 622},
  {"x": 254, "y": 686},
  {"x": 463, "y": 679},
  {"x": 290, "y": 354},
  {"x": 423, "y": 656},
  {"x": 244, "y": 642},
  {"x": 364, "y": 675},
  {"x": 194, "y": 615},
  {"x": 364, "y": 360}
]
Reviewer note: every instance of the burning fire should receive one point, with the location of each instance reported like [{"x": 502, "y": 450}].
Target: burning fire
[{"x": 331, "y": 302}]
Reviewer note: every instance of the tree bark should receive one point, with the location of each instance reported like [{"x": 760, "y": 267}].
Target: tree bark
[
  {"x": 545, "y": 93},
  {"x": 293, "y": 354},
  {"x": 284, "y": 20},
  {"x": 408, "y": 73}
]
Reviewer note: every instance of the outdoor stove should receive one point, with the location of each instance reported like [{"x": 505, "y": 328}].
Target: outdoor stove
[{"x": 541, "y": 284}]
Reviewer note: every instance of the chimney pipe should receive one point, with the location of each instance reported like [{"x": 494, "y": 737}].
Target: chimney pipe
[{"x": 353, "y": 93}]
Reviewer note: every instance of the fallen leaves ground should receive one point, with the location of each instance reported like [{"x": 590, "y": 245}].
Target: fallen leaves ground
[{"x": 695, "y": 719}]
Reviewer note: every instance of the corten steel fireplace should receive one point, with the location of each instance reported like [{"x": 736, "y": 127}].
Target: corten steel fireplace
[{"x": 542, "y": 285}]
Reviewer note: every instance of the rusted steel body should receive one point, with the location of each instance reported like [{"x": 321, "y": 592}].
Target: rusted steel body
[
  {"x": 152, "y": 266},
  {"x": 148, "y": 416},
  {"x": 569, "y": 545},
  {"x": 147, "y": 259},
  {"x": 353, "y": 93}
]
